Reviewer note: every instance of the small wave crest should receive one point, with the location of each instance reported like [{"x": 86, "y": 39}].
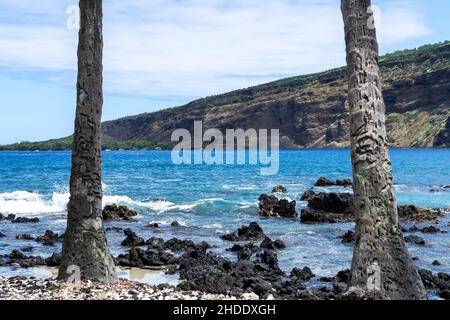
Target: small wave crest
[
  {"x": 21, "y": 202},
  {"x": 26, "y": 202},
  {"x": 191, "y": 206}
]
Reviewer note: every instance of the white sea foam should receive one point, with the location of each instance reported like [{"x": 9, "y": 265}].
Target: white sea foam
[
  {"x": 190, "y": 206},
  {"x": 24, "y": 202},
  {"x": 156, "y": 205},
  {"x": 21, "y": 202},
  {"x": 239, "y": 186}
]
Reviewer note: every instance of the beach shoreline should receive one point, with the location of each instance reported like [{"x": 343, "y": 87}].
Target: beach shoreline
[{"x": 21, "y": 288}]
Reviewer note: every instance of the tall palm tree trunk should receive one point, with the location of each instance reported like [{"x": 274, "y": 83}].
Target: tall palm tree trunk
[
  {"x": 85, "y": 248},
  {"x": 382, "y": 267}
]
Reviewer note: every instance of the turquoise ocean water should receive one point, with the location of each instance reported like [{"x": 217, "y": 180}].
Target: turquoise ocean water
[{"x": 209, "y": 200}]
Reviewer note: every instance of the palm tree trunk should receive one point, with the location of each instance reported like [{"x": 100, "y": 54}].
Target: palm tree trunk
[
  {"x": 85, "y": 247},
  {"x": 382, "y": 267}
]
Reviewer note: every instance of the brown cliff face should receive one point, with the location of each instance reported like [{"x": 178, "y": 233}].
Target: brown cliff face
[{"x": 311, "y": 111}]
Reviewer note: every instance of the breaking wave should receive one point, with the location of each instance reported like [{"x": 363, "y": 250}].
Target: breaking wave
[
  {"x": 26, "y": 202},
  {"x": 18, "y": 202}
]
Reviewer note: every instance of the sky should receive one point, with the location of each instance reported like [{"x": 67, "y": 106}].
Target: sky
[{"x": 164, "y": 53}]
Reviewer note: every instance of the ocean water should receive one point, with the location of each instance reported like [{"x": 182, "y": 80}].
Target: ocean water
[{"x": 210, "y": 200}]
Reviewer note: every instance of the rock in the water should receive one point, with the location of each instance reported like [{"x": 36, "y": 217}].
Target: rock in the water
[
  {"x": 114, "y": 229},
  {"x": 137, "y": 257},
  {"x": 439, "y": 282},
  {"x": 253, "y": 232},
  {"x": 413, "y": 213},
  {"x": 132, "y": 239},
  {"x": 54, "y": 260},
  {"x": 279, "y": 189},
  {"x": 410, "y": 230},
  {"x": 304, "y": 274},
  {"x": 436, "y": 263},
  {"x": 324, "y": 182},
  {"x": 25, "y": 236},
  {"x": 175, "y": 224},
  {"x": 175, "y": 244},
  {"x": 155, "y": 243},
  {"x": 332, "y": 202},
  {"x": 344, "y": 183},
  {"x": 2, "y": 235},
  {"x": 244, "y": 252},
  {"x": 415, "y": 239},
  {"x": 343, "y": 276},
  {"x": 25, "y": 220},
  {"x": 309, "y": 215},
  {"x": 179, "y": 245},
  {"x": 327, "y": 207},
  {"x": 49, "y": 238},
  {"x": 430, "y": 229},
  {"x": 115, "y": 212},
  {"x": 9, "y": 217},
  {"x": 308, "y": 195},
  {"x": 348, "y": 237},
  {"x": 338, "y": 207},
  {"x": 272, "y": 207},
  {"x": 17, "y": 257},
  {"x": 153, "y": 225},
  {"x": 27, "y": 249},
  {"x": 267, "y": 243},
  {"x": 278, "y": 244}
]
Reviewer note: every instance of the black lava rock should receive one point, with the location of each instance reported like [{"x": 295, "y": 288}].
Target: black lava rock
[
  {"x": 415, "y": 240},
  {"x": 279, "y": 189},
  {"x": 25, "y": 220},
  {"x": 25, "y": 236},
  {"x": 304, "y": 274},
  {"x": 272, "y": 207},
  {"x": 115, "y": 212},
  {"x": 253, "y": 232},
  {"x": 132, "y": 240},
  {"x": 49, "y": 238}
]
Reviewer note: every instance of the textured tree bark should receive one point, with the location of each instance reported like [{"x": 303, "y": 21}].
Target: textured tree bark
[
  {"x": 382, "y": 267},
  {"x": 85, "y": 247}
]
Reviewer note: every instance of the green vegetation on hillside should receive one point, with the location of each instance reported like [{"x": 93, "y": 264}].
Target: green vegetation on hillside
[
  {"x": 414, "y": 52},
  {"x": 66, "y": 144}
]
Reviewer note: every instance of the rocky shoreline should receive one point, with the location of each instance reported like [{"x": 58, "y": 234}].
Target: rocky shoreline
[
  {"x": 254, "y": 273},
  {"x": 19, "y": 288}
]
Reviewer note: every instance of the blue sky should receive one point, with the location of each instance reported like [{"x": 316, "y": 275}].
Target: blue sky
[{"x": 164, "y": 53}]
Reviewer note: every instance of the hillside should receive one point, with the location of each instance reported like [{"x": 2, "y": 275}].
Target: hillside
[{"x": 310, "y": 111}]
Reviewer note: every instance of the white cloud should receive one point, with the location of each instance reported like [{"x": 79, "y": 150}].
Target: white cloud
[
  {"x": 400, "y": 21},
  {"x": 192, "y": 48}
]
